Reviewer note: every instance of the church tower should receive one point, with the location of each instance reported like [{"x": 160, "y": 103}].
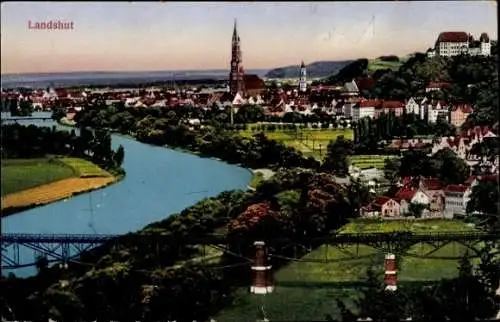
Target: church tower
[
  {"x": 236, "y": 82},
  {"x": 303, "y": 80}
]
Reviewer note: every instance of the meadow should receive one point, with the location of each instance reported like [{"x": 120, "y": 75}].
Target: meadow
[
  {"x": 370, "y": 161},
  {"x": 376, "y": 64},
  {"x": 84, "y": 168},
  {"x": 311, "y": 142},
  {"x": 30, "y": 182},
  {"x": 307, "y": 289},
  {"x": 22, "y": 174}
]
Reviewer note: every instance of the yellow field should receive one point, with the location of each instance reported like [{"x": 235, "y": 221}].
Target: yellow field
[{"x": 53, "y": 191}]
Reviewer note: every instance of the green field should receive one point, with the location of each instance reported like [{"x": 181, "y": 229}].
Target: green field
[
  {"x": 308, "y": 290},
  {"x": 311, "y": 142},
  {"x": 376, "y": 64},
  {"x": 84, "y": 168},
  {"x": 369, "y": 161},
  {"x": 22, "y": 174}
]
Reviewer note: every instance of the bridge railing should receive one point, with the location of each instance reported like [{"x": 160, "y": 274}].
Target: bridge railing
[{"x": 222, "y": 239}]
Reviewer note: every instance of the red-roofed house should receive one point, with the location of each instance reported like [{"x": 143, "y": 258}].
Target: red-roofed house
[
  {"x": 459, "y": 113},
  {"x": 436, "y": 86},
  {"x": 382, "y": 206},
  {"x": 392, "y": 106},
  {"x": 412, "y": 195},
  {"x": 365, "y": 108}
]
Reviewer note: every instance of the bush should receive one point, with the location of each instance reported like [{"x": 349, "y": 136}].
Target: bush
[{"x": 391, "y": 58}]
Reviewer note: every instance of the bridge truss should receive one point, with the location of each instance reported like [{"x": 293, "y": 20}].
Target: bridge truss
[{"x": 67, "y": 247}]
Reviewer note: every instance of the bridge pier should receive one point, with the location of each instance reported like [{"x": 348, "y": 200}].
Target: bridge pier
[
  {"x": 390, "y": 274},
  {"x": 262, "y": 273}
]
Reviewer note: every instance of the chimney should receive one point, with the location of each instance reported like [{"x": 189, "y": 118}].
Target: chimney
[
  {"x": 390, "y": 277},
  {"x": 262, "y": 273}
]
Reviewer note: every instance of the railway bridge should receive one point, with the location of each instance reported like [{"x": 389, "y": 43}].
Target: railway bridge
[{"x": 64, "y": 247}]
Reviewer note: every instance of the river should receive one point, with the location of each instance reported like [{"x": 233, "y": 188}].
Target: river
[{"x": 158, "y": 183}]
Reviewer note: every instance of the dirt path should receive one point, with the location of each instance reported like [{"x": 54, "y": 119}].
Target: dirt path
[{"x": 53, "y": 191}]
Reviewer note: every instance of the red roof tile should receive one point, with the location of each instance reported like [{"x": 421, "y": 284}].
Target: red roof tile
[
  {"x": 431, "y": 184},
  {"x": 253, "y": 82},
  {"x": 369, "y": 103},
  {"x": 453, "y": 36},
  {"x": 456, "y": 188},
  {"x": 382, "y": 200},
  {"x": 392, "y": 104},
  {"x": 406, "y": 194}
]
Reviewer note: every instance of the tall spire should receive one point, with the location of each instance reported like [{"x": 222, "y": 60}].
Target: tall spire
[{"x": 235, "y": 31}]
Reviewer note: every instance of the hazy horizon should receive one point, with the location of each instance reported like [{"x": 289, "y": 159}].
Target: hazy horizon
[{"x": 174, "y": 36}]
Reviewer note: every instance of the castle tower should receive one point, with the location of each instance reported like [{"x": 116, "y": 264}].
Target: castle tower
[
  {"x": 262, "y": 274},
  {"x": 303, "y": 80},
  {"x": 485, "y": 44},
  {"x": 390, "y": 277},
  {"x": 236, "y": 82}
]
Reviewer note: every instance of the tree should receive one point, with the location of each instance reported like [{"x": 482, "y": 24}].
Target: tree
[
  {"x": 58, "y": 113},
  {"x": 449, "y": 168},
  {"x": 336, "y": 159},
  {"x": 484, "y": 198},
  {"x": 391, "y": 170},
  {"x": 416, "y": 209},
  {"x": 119, "y": 156}
]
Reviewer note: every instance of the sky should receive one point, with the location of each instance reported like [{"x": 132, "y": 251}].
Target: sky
[{"x": 135, "y": 36}]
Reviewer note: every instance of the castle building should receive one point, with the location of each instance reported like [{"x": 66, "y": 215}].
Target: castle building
[
  {"x": 454, "y": 43},
  {"x": 303, "y": 79},
  {"x": 239, "y": 83}
]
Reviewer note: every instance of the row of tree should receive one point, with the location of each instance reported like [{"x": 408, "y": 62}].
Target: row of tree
[
  {"x": 169, "y": 128},
  {"x": 369, "y": 132},
  {"x": 21, "y": 141},
  {"x": 17, "y": 107},
  {"x": 444, "y": 165}
]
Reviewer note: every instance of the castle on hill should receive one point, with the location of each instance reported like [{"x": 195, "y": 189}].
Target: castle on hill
[{"x": 454, "y": 43}]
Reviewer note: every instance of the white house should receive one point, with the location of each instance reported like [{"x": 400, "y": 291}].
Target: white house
[
  {"x": 365, "y": 108},
  {"x": 456, "y": 198},
  {"x": 412, "y": 107},
  {"x": 437, "y": 109},
  {"x": 411, "y": 195}
]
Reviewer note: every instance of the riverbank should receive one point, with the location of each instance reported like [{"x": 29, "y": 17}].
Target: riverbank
[
  {"x": 28, "y": 183},
  {"x": 52, "y": 192}
]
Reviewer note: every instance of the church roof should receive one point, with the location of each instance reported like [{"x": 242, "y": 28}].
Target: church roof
[
  {"x": 253, "y": 82},
  {"x": 302, "y": 65}
]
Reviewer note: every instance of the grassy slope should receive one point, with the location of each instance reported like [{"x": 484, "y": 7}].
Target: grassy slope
[
  {"x": 22, "y": 174},
  {"x": 307, "y": 141},
  {"x": 85, "y": 168},
  {"x": 367, "y": 161},
  {"x": 308, "y": 290}
]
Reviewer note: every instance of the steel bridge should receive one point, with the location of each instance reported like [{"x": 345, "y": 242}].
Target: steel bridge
[
  {"x": 27, "y": 118},
  {"x": 63, "y": 247}
]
